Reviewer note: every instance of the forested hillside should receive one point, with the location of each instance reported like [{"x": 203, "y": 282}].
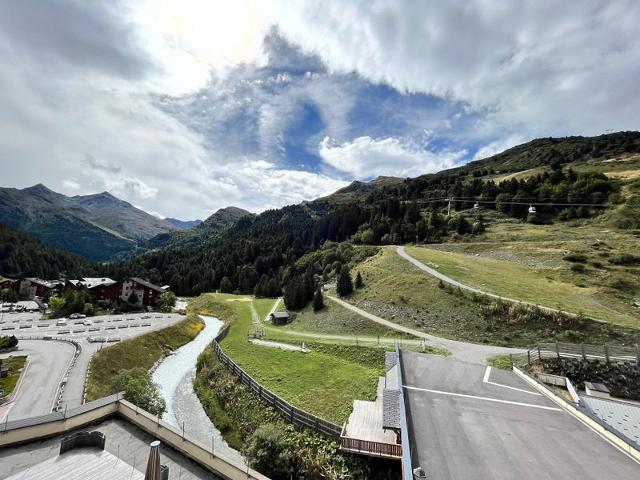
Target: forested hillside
[
  {"x": 24, "y": 256},
  {"x": 263, "y": 250}
]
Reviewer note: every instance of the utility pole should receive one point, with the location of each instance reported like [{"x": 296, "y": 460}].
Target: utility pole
[{"x": 416, "y": 239}]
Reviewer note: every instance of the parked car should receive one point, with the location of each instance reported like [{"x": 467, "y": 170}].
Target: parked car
[
  {"x": 62, "y": 322},
  {"x": 87, "y": 322},
  {"x": 73, "y": 316}
]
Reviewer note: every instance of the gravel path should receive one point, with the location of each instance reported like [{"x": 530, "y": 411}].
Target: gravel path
[
  {"x": 470, "y": 352},
  {"x": 432, "y": 271}
]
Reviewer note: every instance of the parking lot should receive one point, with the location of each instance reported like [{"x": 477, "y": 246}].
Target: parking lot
[
  {"x": 51, "y": 354},
  {"x": 470, "y": 421},
  {"x": 106, "y": 326}
]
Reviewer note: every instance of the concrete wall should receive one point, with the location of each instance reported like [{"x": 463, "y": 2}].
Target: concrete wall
[
  {"x": 191, "y": 448},
  {"x": 30, "y": 433},
  {"x": 55, "y": 424}
]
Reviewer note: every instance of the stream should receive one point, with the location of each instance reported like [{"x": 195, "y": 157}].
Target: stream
[{"x": 174, "y": 377}]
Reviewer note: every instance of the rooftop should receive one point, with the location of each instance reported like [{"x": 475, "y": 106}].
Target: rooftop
[
  {"x": 621, "y": 417},
  {"x": 95, "y": 282},
  {"x": 147, "y": 284},
  {"x": 30, "y": 448},
  {"x": 124, "y": 457}
]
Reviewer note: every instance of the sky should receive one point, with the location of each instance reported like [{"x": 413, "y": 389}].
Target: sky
[{"x": 182, "y": 107}]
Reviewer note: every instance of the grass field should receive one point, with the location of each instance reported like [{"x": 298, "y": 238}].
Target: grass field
[
  {"x": 334, "y": 319},
  {"x": 324, "y": 381},
  {"x": 142, "y": 351},
  {"x": 537, "y": 273},
  {"x": 397, "y": 291},
  {"x": 15, "y": 364}
]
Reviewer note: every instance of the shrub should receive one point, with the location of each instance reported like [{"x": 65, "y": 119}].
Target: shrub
[
  {"x": 140, "y": 390},
  {"x": 575, "y": 257},
  {"x": 8, "y": 342},
  {"x": 625, "y": 259},
  {"x": 268, "y": 452},
  {"x": 578, "y": 268}
]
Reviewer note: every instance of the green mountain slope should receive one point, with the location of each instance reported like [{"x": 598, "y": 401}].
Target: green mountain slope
[
  {"x": 25, "y": 256},
  {"x": 263, "y": 250}
]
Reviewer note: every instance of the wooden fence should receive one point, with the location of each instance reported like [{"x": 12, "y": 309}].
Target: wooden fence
[
  {"x": 293, "y": 414},
  {"x": 387, "y": 450},
  {"x": 583, "y": 351}
]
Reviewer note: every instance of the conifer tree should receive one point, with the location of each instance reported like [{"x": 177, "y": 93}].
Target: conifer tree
[
  {"x": 359, "y": 282},
  {"x": 318, "y": 301},
  {"x": 345, "y": 284}
]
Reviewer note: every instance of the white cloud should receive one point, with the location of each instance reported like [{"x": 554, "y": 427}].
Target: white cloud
[
  {"x": 366, "y": 157},
  {"x": 103, "y": 97},
  {"x": 70, "y": 184},
  {"x": 498, "y": 146},
  {"x": 547, "y": 67}
]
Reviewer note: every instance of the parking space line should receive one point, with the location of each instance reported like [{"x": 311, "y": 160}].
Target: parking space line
[
  {"x": 486, "y": 399},
  {"x": 487, "y": 374}
]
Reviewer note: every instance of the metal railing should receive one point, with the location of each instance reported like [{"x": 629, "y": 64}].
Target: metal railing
[
  {"x": 582, "y": 351},
  {"x": 293, "y": 414},
  {"x": 407, "y": 461}
]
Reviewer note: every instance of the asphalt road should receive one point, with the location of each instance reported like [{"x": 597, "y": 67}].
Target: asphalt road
[
  {"x": 470, "y": 422},
  {"x": 47, "y": 362},
  {"x": 470, "y": 352},
  {"x": 49, "y": 359}
]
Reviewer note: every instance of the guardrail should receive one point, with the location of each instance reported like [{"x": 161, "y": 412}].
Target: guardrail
[
  {"x": 293, "y": 414},
  {"x": 583, "y": 351}
]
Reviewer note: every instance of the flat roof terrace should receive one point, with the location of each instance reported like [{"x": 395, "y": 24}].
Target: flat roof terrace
[
  {"x": 471, "y": 421},
  {"x": 124, "y": 457}
]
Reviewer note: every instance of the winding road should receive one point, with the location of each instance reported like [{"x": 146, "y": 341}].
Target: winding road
[
  {"x": 432, "y": 271},
  {"x": 469, "y": 352},
  {"x": 47, "y": 362}
]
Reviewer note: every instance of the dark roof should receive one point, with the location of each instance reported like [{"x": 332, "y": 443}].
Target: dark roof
[
  {"x": 147, "y": 284},
  {"x": 280, "y": 314},
  {"x": 391, "y": 409},
  {"x": 621, "y": 417}
]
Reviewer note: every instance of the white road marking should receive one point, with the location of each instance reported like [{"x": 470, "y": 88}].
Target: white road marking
[
  {"x": 487, "y": 399},
  {"x": 485, "y": 379},
  {"x": 487, "y": 372}
]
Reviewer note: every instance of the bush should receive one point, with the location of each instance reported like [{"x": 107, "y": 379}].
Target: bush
[
  {"x": 578, "y": 268},
  {"x": 140, "y": 390},
  {"x": 625, "y": 259},
  {"x": 8, "y": 342},
  {"x": 268, "y": 452},
  {"x": 575, "y": 257},
  {"x": 166, "y": 301}
]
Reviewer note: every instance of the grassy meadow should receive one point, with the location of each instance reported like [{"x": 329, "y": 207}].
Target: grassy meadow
[{"x": 324, "y": 381}]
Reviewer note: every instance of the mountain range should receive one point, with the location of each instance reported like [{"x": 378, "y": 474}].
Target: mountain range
[{"x": 101, "y": 227}]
